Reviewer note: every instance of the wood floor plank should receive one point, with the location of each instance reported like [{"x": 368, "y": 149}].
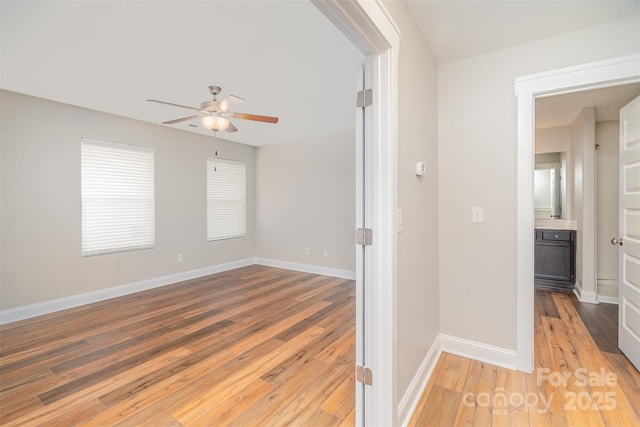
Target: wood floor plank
[
  {"x": 476, "y": 408},
  {"x": 417, "y": 414},
  {"x": 72, "y": 404},
  {"x": 564, "y": 363},
  {"x": 350, "y": 419},
  {"x": 291, "y": 401},
  {"x": 195, "y": 410},
  {"x": 606, "y": 395},
  {"x": 628, "y": 377},
  {"x": 207, "y": 350},
  {"x": 510, "y": 399},
  {"x": 342, "y": 401},
  {"x": 440, "y": 409},
  {"x": 453, "y": 372},
  {"x": 238, "y": 403}
]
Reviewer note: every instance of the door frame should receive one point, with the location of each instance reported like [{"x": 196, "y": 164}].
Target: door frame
[
  {"x": 372, "y": 30},
  {"x": 601, "y": 74}
]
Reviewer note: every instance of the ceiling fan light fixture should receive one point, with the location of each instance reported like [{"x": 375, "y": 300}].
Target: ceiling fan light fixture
[{"x": 214, "y": 123}]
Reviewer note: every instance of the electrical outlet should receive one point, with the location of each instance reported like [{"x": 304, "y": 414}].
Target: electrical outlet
[
  {"x": 180, "y": 257},
  {"x": 325, "y": 253},
  {"x": 307, "y": 251}
]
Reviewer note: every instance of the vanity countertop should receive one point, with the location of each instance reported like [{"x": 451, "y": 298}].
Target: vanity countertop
[{"x": 555, "y": 224}]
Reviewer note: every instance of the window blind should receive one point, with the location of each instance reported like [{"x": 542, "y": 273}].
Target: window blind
[
  {"x": 226, "y": 199},
  {"x": 118, "y": 206}
]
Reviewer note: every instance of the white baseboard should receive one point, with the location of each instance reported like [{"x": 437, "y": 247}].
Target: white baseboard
[
  {"x": 412, "y": 396},
  {"x": 608, "y": 299},
  {"x": 585, "y": 296},
  {"x": 470, "y": 349},
  {"x": 46, "y": 307},
  {"x": 478, "y": 351},
  {"x": 306, "y": 268}
]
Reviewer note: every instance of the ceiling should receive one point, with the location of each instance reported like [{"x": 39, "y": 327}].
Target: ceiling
[
  {"x": 458, "y": 29},
  {"x": 561, "y": 110},
  {"x": 285, "y": 58}
]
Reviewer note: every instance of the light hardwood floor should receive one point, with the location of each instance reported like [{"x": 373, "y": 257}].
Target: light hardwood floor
[
  {"x": 252, "y": 346},
  {"x": 263, "y": 346},
  {"x": 571, "y": 384}
]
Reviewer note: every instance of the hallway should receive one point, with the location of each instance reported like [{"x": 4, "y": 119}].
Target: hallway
[{"x": 580, "y": 376}]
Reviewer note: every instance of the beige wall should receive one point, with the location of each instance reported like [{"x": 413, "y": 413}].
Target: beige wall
[
  {"x": 607, "y": 135},
  {"x": 477, "y": 155},
  {"x": 417, "y": 309},
  {"x": 551, "y": 140},
  {"x": 306, "y": 197},
  {"x": 41, "y": 207}
]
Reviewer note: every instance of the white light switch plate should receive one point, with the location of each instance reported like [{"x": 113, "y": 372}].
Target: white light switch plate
[{"x": 477, "y": 215}]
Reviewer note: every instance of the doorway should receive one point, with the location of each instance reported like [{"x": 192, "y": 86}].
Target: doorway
[
  {"x": 609, "y": 73},
  {"x": 588, "y": 168},
  {"x": 369, "y": 27}
]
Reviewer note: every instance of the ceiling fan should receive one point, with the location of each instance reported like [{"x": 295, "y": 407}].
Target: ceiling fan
[{"x": 214, "y": 115}]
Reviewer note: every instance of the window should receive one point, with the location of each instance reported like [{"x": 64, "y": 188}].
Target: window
[
  {"x": 118, "y": 206},
  {"x": 226, "y": 199}
]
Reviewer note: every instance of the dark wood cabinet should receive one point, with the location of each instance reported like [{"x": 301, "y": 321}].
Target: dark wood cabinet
[{"x": 555, "y": 259}]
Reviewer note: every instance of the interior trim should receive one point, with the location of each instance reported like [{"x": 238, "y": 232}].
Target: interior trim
[
  {"x": 498, "y": 356},
  {"x": 307, "y": 268},
  {"x": 607, "y": 73},
  {"x": 47, "y": 307},
  {"x": 412, "y": 396}
]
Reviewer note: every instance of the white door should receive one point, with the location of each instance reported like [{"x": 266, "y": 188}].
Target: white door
[
  {"x": 360, "y": 254},
  {"x": 629, "y": 240},
  {"x": 364, "y": 254}
]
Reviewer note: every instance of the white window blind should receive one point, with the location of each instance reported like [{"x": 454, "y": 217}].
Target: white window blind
[
  {"x": 118, "y": 207},
  {"x": 226, "y": 199}
]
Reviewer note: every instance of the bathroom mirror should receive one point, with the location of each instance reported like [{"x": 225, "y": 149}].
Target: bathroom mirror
[{"x": 549, "y": 185}]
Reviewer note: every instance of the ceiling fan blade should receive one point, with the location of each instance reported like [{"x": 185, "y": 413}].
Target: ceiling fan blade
[
  {"x": 183, "y": 119},
  {"x": 255, "y": 117},
  {"x": 175, "y": 105},
  {"x": 230, "y": 102},
  {"x": 231, "y": 128}
]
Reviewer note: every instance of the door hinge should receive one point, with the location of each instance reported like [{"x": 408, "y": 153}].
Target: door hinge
[
  {"x": 364, "y": 236},
  {"x": 364, "y": 375},
  {"x": 365, "y": 98}
]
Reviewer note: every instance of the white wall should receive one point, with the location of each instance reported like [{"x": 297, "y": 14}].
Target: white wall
[
  {"x": 477, "y": 155},
  {"x": 607, "y": 135},
  {"x": 583, "y": 149},
  {"x": 41, "y": 254},
  {"x": 306, "y": 198},
  {"x": 417, "y": 308}
]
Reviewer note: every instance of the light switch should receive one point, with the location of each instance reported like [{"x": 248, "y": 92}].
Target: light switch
[
  {"x": 477, "y": 215},
  {"x": 400, "y": 220}
]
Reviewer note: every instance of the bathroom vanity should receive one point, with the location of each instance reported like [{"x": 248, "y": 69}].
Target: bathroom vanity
[{"x": 555, "y": 256}]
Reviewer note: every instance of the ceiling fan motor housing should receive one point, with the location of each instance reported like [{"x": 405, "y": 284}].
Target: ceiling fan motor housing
[{"x": 210, "y": 105}]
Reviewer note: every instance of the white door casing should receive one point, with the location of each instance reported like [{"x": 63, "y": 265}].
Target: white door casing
[
  {"x": 369, "y": 26},
  {"x": 607, "y": 73},
  {"x": 629, "y": 211}
]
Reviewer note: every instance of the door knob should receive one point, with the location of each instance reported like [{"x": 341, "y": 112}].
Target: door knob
[{"x": 616, "y": 241}]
